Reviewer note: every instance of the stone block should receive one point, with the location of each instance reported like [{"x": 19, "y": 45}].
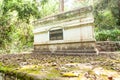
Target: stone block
[
  {"x": 66, "y": 48},
  {"x": 107, "y": 46}
]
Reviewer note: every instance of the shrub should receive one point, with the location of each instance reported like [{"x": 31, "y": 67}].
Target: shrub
[{"x": 104, "y": 35}]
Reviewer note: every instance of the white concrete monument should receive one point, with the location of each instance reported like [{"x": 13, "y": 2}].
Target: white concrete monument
[{"x": 70, "y": 32}]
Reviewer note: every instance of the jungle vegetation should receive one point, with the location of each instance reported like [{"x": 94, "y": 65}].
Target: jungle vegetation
[{"x": 16, "y": 18}]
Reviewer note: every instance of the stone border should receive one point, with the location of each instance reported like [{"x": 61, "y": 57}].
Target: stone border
[{"x": 109, "y": 46}]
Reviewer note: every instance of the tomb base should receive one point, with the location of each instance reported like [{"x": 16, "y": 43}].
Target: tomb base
[{"x": 73, "y": 48}]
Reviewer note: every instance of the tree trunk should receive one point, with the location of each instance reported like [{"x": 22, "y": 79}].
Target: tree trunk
[{"x": 61, "y": 5}]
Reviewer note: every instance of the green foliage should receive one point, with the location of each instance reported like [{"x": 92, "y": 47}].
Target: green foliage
[
  {"x": 22, "y": 37},
  {"x": 16, "y": 30},
  {"x": 107, "y": 20},
  {"x": 107, "y": 14},
  {"x": 104, "y": 35},
  {"x": 15, "y": 22},
  {"x": 49, "y": 8},
  {"x": 25, "y": 9},
  {"x": 16, "y": 17}
]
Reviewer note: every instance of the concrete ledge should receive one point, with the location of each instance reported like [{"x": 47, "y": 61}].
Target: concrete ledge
[
  {"x": 64, "y": 42},
  {"x": 66, "y": 54}
]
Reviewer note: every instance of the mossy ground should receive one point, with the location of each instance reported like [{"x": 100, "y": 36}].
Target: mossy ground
[{"x": 53, "y": 66}]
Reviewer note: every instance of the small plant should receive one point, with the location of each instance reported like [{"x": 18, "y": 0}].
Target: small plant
[{"x": 104, "y": 35}]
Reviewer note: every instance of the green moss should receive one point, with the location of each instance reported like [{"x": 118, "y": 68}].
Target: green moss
[
  {"x": 53, "y": 74},
  {"x": 33, "y": 69},
  {"x": 20, "y": 74},
  {"x": 5, "y": 69}
]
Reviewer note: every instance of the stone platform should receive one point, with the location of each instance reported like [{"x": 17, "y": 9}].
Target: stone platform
[{"x": 74, "y": 48}]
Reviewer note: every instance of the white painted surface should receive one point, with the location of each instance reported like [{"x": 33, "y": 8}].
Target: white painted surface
[
  {"x": 76, "y": 30},
  {"x": 72, "y": 23},
  {"x": 79, "y": 33},
  {"x": 41, "y": 38},
  {"x": 87, "y": 33},
  {"x": 72, "y": 34},
  {"x": 84, "y": 33}
]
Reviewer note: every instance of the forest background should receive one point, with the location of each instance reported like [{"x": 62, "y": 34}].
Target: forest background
[{"x": 16, "y": 17}]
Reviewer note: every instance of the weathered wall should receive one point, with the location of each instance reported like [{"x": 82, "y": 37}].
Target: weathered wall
[
  {"x": 77, "y": 28},
  {"x": 78, "y": 33},
  {"x": 84, "y": 33},
  {"x": 41, "y": 38},
  {"x": 108, "y": 45},
  {"x": 61, "y": 48}
]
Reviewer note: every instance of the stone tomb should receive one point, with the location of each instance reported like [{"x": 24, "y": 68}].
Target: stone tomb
[{"x": 70, "y": 32}]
